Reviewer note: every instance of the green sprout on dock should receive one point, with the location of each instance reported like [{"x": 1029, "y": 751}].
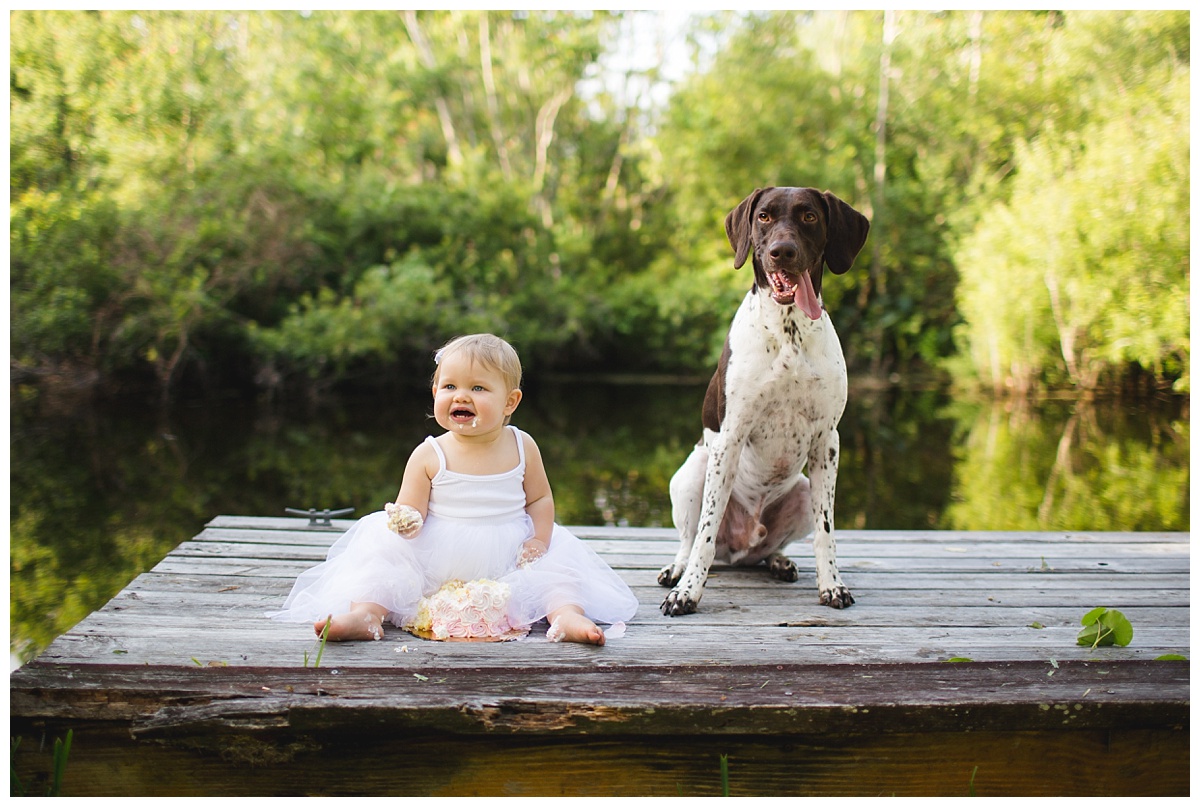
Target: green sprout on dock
[
  {"x": 321, "y": 648},
  {"x": 1103, "y": 627}
]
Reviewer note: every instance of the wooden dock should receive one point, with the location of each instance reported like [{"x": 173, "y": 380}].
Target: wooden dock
[{"x": 180, "y": 685}]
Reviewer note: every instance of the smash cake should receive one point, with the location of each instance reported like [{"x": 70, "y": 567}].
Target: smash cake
[{"x": 471, "y": 611}]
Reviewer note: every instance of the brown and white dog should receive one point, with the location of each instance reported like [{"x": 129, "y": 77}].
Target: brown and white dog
[{"x": 772, "y": 408}]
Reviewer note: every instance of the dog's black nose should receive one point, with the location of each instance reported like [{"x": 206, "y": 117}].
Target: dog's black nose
[{"x": 784, "y": 251}]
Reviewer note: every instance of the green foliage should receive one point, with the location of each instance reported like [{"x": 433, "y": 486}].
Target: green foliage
[
  {"x": 255, "y": 194},
  {"x": 263, "y": 172},
  {"x": 390, "y": 308},
  {"x": 1084, "y": 270},
  {"x": 662, "y": 312},
  {"x": 61, "y": 274},
  {"x": 1104, "y": 627},
  {"x": 58, "y": 770}
]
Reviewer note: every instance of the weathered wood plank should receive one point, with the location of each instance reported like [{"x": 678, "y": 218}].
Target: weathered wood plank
[
  {"x": 885, "y": 630},
  {"x": 787, "y": 699},
  {"x": 849, "y": 536},
  {"x": 928, "y": 602},
  {"x": 200, "y": 576},
  {"x": 220, "y": 606},
  {"x": 224, "y": 555},
  {"x": 290, "y": 645},
  {"x": 966, "y": 537},
  {"x": 633, "y": 541}
]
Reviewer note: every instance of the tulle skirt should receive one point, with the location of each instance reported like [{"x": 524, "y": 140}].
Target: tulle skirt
[{"x": 370, "y": 563}]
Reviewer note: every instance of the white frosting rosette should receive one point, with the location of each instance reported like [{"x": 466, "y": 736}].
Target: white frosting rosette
[{"x": 471, "y": 611}]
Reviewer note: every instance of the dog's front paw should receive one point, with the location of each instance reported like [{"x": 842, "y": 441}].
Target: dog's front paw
[
  {"x": 678, "y": 603},
  {"x": 838, "y": 597},
  {"x": 669, "y": 576}
]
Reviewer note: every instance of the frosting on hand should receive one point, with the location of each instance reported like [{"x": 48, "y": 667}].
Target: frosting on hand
[
  {"x": 403, "y": 519},
  {"x": 531, "y": 550}
]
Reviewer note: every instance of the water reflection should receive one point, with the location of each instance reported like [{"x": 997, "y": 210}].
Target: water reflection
[
  {"x": 100, "y": 494},
  {"x": 1071, "y": 465}
]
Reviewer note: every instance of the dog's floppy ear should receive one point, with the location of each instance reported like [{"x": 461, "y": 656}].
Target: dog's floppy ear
[
  {"x": 738, "y": 225},
  {"x": 847, "y": 234}
]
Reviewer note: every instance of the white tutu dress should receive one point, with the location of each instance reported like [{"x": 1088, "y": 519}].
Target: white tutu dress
[{"x": 474, "y": 529}]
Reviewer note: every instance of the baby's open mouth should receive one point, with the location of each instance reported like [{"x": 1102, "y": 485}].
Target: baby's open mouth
[{"x": 463, "y": 417}]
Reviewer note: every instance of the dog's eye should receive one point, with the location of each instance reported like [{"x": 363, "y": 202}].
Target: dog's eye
[
  {"x": 764, "y": 216},
  {"x": 810, "y": 217}
]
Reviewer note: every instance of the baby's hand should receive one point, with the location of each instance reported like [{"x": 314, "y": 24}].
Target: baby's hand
[
  {"x": 531, "y": 550},
  {"x": 403, "y": 519}
]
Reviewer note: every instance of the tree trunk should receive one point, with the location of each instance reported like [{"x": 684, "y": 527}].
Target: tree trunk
[
  {"x": 878, "y": 275},
  {"x": 493, "y": 106},
  {"x": 544, "y": 136},
  {"x": 454, "y": 152}
]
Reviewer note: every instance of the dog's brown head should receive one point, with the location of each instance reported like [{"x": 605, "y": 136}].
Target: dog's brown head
[{"x": 794, "y": 232}]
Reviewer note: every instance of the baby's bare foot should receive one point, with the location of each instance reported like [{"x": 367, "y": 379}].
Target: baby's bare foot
[
  {"x": 573, "y": 627},
  {"x": 353, "y": 626}
]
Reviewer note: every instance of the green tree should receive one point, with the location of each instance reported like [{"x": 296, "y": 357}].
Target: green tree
[
  {"x": 1083, "y": 271},
  {"x": 240, "y": 193}
]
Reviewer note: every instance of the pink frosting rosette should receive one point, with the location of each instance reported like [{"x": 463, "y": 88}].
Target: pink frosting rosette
[{"x": 449, "y": 627}]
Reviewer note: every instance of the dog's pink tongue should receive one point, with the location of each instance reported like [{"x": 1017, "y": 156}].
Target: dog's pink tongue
[{"x": 806, "y": 297}]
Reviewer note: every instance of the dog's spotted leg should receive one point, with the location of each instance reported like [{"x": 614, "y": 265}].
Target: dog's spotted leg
[
  {"x": 687, "y": 490},
  {"x": 718, "y": 485},
  {"x": 822, "y": 475}
]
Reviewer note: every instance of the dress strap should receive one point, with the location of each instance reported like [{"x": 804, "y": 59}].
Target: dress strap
[
  {"x": 520, "y": 444},
  {"x": 437, "y": 448}
]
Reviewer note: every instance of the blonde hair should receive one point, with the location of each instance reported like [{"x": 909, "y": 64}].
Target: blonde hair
[{"x": 488, "y": 350}]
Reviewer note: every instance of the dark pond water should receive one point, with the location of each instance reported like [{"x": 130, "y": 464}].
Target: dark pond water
[{"x": 101, "y": 493}]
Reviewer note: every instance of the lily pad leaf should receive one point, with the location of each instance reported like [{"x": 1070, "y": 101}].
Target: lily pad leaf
[{"x": 1103, "y": 627}]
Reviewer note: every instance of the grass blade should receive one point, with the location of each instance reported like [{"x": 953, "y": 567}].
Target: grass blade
[
  {"x": 324, "y": 638},
  {"x": 14, "y": 785},
  {"x": 61, "y": 750}
]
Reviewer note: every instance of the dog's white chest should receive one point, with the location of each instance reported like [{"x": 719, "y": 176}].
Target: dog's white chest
[{"x": 786, "y": 376}]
